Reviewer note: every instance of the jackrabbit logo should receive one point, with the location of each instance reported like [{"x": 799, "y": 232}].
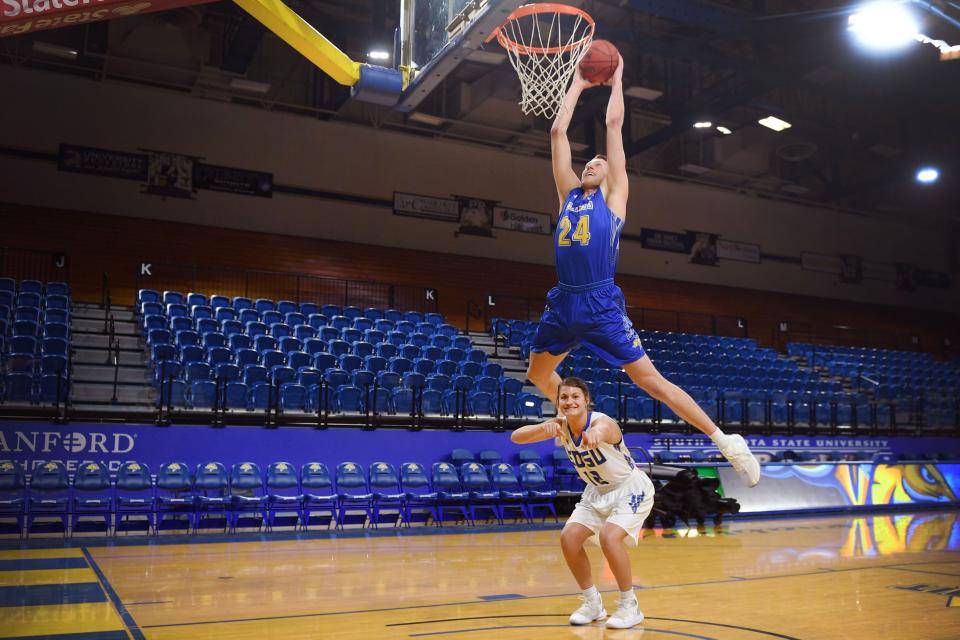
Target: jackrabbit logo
[{"x": 636, "y": 501}]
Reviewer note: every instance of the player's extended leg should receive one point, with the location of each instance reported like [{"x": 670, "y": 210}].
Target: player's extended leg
[
  {"x": 542, "y": 372},
  {"x": 628, "y": 610},
  {"x": 572, "y": 538},
  {"x": 733, "y": 447}
]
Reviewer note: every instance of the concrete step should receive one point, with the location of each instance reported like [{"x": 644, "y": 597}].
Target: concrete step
[
  {"x": 129, "y": 358},
  {"x": 90, "y": 325},
  {"x": 100, "y": 341},
  {"x": 105, "y": 373},
  {"x": 136, "y": 394},
  {"x": 93, "y": 312}
]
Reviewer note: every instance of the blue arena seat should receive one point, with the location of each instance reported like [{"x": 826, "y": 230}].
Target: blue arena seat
[
  {"x": 13, "y": 496},
  {"x": 450, "y": 494},
  {"x": 248, "y": 498},
  {"x": 353, "y": 495},
  {"x": 134, "y": 499},
  {"x": 212, "y": 486},
  {"x": 284, "y": 499},
  {"x": 387, "y": 497},
  {"x": 513, "y": 496},
  {"x": 320, "y": 503},
  {"x": 175, "y": 497},
  {"x": 92, "y": 498},
  {"x": 481, "y": 496},
  {"x": 420, "y": 502},
  {"x": 48, "y": 497}
]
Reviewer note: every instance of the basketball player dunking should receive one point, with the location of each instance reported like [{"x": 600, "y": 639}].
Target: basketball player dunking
[{"x": 586, "y": 306}]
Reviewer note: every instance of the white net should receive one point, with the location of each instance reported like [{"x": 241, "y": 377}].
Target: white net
[{"x": 544, "y": 47}]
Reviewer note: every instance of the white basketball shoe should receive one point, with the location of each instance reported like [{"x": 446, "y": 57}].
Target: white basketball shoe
[
  {"x": 590, "y": 611},
  {"x": 627, "y": 615},
  {"x": 745, "y": 463}
]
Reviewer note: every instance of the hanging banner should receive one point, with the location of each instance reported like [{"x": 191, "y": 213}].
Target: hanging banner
[
  {"x": 230, "y": 180},
  {"x": 739, "y": 251},
  {"x": 102, "y": 162},
  {"x": 884, "y": 271},
  {"x": 476, "y": 216},
  {"x": 428, "y": 207},
  {"x": 820, "y": 262},
  {"x": 26, "y": 16},
  {"x": 169, "y": 174},
  {"x": 660, "y": 240},
  {"x": 703, "y": 247},
  {"x": 851, "y": 270},
  {"x": 520, "y": 220}
]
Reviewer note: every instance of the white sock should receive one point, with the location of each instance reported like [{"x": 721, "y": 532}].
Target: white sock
[
  {"x": 627, "y": 596},
  {"x": 719, "y": 438},
  {"x": 591, "y": 593}
]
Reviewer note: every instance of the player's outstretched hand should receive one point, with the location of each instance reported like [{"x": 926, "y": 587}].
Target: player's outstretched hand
[
  {"x": 617, "y": 76},
  {"x": 582, "y": 82},
  {"x": 592, "y": 439},
  {"x": 552, "y": 428}
]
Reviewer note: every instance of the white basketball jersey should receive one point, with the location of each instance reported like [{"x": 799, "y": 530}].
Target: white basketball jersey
[{"x": 605, "y": 467}]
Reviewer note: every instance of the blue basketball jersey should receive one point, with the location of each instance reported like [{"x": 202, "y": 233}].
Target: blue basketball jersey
[{"x": 587, "y": 240}]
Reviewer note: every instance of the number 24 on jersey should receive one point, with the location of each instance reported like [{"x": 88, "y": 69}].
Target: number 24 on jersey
[{"x": 581, "y": 235}]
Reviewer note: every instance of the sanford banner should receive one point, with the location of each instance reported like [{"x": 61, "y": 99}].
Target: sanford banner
[{"x": 26, "y": 16}]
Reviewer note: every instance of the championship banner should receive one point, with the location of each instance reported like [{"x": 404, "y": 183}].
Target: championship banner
[
  {"x": 230, "y": 180},
  {"x": 169, "y": 174},
  {"x": 102, "y": 162},
  {"x": 428, "y": 207},
  {"x": 739, "y": 251},
  {"x": 27, "y": 16},
  {"x": 521, "y": 220}
]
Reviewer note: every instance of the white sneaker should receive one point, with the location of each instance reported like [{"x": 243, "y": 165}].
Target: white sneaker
[
  {"x": 590, "y": 611},
  {"x": 738, "y": 454},
  {"x": 628, "y": 615}
]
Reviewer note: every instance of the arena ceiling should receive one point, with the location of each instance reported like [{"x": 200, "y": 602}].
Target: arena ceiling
[{"x": 862, "y": 124}]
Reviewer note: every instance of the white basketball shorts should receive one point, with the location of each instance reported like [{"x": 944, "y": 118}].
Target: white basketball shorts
[{"x": 626, "y": 506}]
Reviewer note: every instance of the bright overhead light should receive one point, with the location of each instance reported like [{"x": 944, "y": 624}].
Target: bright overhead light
[
  {"x": 772, "y": 122},
  {"x": 927, "y": 175},
  {"x": 883, "y": 25},
  {"x": 378, "y": 55},
  {"x": 724, "y": 131},
  {"x": 706, "y": 124}
]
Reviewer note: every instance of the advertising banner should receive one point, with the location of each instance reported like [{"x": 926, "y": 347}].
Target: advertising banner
[
  {"x": 27, "y": 16},
  {"x": 429, "y": 207},
  {"x": 520, "y": 220},
  {"x": 231, "y": 180},
  {"x": 739, "y": 251},
  {"x": 102, "y": 162}
]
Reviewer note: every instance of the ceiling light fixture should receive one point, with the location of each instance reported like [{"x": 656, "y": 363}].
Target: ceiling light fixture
[
  {"x": 775, "y": 123},
  {"x": 706, "y": 124},
  {"x": 378, "y": 55},
  {"x": 928, "y": 175},
  {"x": 724, "y": 130},
  {"x": 883, "y": 25}
]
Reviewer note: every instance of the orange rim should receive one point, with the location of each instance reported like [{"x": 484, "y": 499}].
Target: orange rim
[{"x": 546, "y": 7}]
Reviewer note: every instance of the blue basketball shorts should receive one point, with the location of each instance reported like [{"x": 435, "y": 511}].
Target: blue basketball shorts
[{"x": 597, "y": 318}]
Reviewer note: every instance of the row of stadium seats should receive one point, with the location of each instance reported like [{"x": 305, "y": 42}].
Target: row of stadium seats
[
  {"x": 210, "y": 496},
  {"x": 34, "y": 341},
  {"x": 262, "y": 305}
]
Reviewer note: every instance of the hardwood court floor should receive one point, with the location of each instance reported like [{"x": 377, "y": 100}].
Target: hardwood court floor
[{"x": 891, "y": 576}]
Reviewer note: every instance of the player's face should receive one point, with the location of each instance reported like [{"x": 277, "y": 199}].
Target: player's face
[
  {"x": 572, "y": 401},
  {"x": 594, "y": 173}
]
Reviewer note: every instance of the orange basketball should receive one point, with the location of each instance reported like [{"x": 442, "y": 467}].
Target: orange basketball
[{"x": 600, "y": 61}]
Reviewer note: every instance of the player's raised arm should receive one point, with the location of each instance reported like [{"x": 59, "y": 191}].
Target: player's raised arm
[
  {"x": 536, "y": 432},
  {"x": 563, "y": 174},
  {"x": 617, "y": 181}
]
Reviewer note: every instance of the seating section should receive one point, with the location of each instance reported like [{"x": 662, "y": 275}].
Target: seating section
[
  {"x": 242, "y": 354},
  {"x": 911, "y": 380},
  {"x": 225, "y": 498},
  {"x": 737, "y": 382},
  {"x": 34, "y": 341}
]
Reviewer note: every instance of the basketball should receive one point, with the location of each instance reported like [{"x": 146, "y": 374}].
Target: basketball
[{"x": 600, "y": 61}]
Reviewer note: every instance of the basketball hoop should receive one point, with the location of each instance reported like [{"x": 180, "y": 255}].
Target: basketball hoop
[{"x": 545, "y": 43}]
